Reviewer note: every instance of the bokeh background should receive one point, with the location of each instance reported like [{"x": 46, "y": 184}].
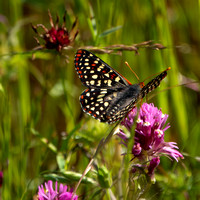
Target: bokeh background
[{"x": 43, "y": 132}]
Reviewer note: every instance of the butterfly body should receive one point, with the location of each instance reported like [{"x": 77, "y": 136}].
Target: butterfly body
[{"x": 109, "y": 96}]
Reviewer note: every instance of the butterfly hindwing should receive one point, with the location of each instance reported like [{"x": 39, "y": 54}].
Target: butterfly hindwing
[
  {"x": 109, "y": 105},
  {"x": 95, "y": 102},
  {"x": 95, "y": 73}
]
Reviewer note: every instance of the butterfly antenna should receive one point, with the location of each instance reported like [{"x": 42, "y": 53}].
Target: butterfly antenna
[
  {"x": 156, "y": 74},
  {"x": 126, "y": 63}
]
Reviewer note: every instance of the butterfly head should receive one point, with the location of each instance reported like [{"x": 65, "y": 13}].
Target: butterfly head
[{"x": 141, "y": 84}]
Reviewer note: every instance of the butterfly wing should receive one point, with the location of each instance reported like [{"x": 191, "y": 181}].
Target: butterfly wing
[
  {"x": 153, "y": 84},
  {"x": 95, "y": 102},
  {"x": 109, "y": 96},
  {"x": 109, "y": 105},
  {"x": 95, "y": 73}
]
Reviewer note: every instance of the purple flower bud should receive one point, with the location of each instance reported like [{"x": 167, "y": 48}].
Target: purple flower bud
[
  {"x": 158, "y": 137},
  {"x": 136, "y": 150},
  {"x": 1, "y": 178},
  {"x": 123, "y": 136},
  {"x": 153, "y": 164},
  {"x": 139, "y": 123}
]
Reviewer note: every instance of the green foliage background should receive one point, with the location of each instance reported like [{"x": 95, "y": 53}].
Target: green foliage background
[{"x": 43, "y": 132}]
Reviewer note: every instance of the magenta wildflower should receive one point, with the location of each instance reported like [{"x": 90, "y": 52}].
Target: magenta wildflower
[
  {"x": 57, "y": 37},
  {"x": 149, "y": 142},
  {"x": 50, "y": 194},
  {"x": 1, "y": 178}
]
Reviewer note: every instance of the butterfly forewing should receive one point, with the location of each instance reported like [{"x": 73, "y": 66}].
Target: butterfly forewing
[{"x": 95, "y": 73}]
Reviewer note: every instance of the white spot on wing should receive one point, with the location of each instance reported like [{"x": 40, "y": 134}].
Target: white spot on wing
[
  {"x": 97, "y": 112},
  {"x": 115, "y": 94},
  {"x": 103, "y": 91},
  {"x": 98, "y": 83},
  {"x": 109, "y": 82},
  {"x": 101, "y": 95},
  {"x": 101, "y": 99},
  {"x": 95, "y": 76},
  {"x": 106, "y": 104},
  {"x": 117, "y": 79},
  {"x": 92, "y": 82}
]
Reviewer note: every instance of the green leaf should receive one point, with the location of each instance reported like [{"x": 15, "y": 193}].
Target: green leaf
[
  {"x": 104, "y": 177},
  {"x": 109, "y": 31},
  {"x": 68, "y": 177},
  {"x": 61, "y": 161}
]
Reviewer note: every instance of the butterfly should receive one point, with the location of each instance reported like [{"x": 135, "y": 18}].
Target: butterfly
[{"x": 109, "y": 96}]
